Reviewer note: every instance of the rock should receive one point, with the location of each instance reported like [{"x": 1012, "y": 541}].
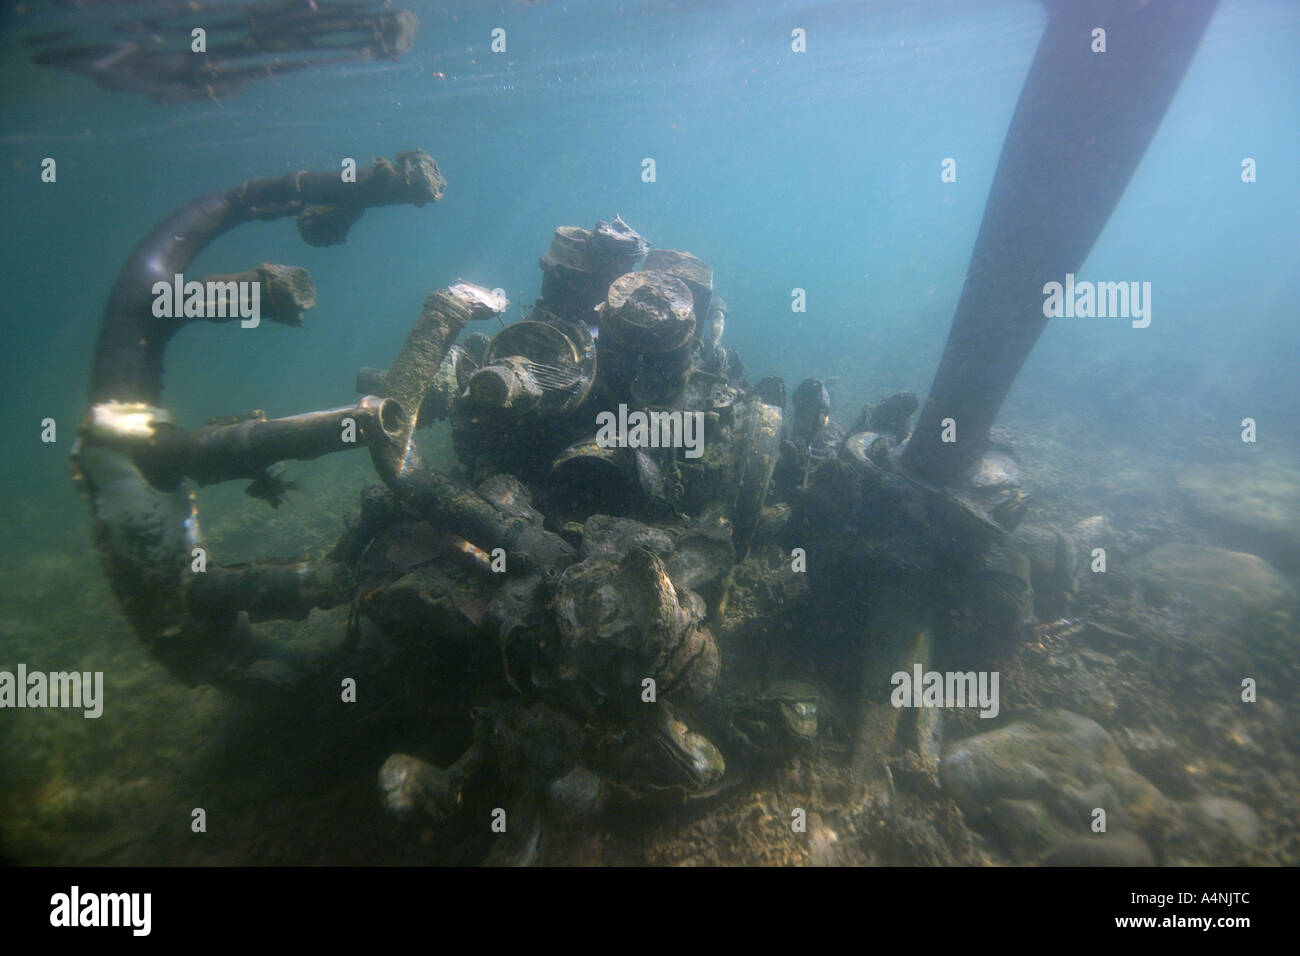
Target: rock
[
  {"x": 1096, "y": 657},
  {"x": 1099, "y": 635},
  {"x": 1255, "y": 507},
  {"x": 1217, "y": 829},
  {"x": 1232, "y": 816},
  {"x": 1156, "y": 756},
  {"x": 1115, "y": 848},
  {"x": 1025, "y": 828},
  {"x": 1128, "y": 491},
  {"x": 822, "y": 841},
  {"x": 1040, "y": 756},
  {"x": 1036, "y": 782},
  {"x": 1217, "y": 584},
  {"x": 576, "y": 794}
]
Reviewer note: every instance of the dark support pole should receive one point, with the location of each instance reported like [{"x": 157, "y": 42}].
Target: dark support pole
[{"x": 1081, "y": 127}]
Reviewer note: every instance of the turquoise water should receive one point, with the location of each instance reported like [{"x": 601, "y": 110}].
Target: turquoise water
[{"x": 816, "y": 170}]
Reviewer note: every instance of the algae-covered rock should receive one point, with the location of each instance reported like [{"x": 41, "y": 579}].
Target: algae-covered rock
[
  {"x": 1239, "y": 820},
  {"x": 1217, "y": 583},
  {"x": 1036, "y": 783},
  {"x": 1127, "y": 490},
  {"x": 1025, "y": 828},
  {"x": 1218, "y": 829},
  {"x": 1115, "y": 848},
  {"x": 1253, "y": 506}
]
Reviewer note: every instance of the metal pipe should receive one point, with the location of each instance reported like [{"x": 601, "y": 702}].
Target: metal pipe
[
  {"x": 129, "y": 352},
  {"x": 246, "y": 449},
  {"x": 397, "y": 459},
  {"x": 289, "y": 590},
  {"x": 130, "y": 459},
  {"x": 1081, "y": 127}
]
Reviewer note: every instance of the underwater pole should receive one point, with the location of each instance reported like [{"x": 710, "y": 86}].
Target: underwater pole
[
  {"x": 1082, "y": 125},
  {"x": 1083, "y": 122}
]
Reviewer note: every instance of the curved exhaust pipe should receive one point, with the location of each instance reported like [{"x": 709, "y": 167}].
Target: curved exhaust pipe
[{"x": 131, "y": 460}]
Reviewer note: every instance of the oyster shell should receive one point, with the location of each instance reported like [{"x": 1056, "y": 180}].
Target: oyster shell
[
  {"x": 697, "y": 762},
  {"x": 780, "y": 713}
]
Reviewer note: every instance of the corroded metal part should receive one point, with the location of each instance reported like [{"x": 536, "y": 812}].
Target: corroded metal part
[
  {"x": 713, "y": 357},
  {"x": 536, "y": 555},
  {"x": 1001, "y": 589},
  {"x": 397, "y": 459},
  {"x": 648, "y": 312},
  {"x": 577, "y": 795},
  {"x": 760, "y": 447},
  {"x": 812, "y": 410},
  {"x": 506, "y": 385},
  {"x": 444, "y": 314},
  {"x": 615, "y": 243},
  {"x": 130, "y": 458},
  {"x": 622, "y": 620},
  {"x": 285, "y": 292},
  {"x": 704, "y": 552},
  {"x": 690, "y": 758},
  {"x": 663, "y": 763},
  {"x": 587, "y": 478},
  {"x": 904, "y": 633},
  {"x": 771, "y": 390},
  {"x": 320, "y": 225},
  {"x": 287, "y": 590},
  {"x": 771, "y": 522},
  {"x": 606, "y": 536},
  {"x": 516, "y": 756},
  {"x": 776, "y": 716},
  {"x": 449, "y": 381},
  {"x": 891, "y": 416},
  {"x": 442, "y": 501},
  {"x": 415, "y": 788},
  {"x": 147, "y": 537},
  {"x": 697, "y": 275},
  {"x": 867, "y": 450},
  {"x": 535, "y": 366},
  {"x": 568, "y": 249},
  {"x": 424, "y": 585},
  {"x": 129, "y": 352},
  {"x": 144, "y": 534},
  {"x": 647, "y": 344},
  {"x": 247, "y": 447},
  {"x": 581, "y": 264}
]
